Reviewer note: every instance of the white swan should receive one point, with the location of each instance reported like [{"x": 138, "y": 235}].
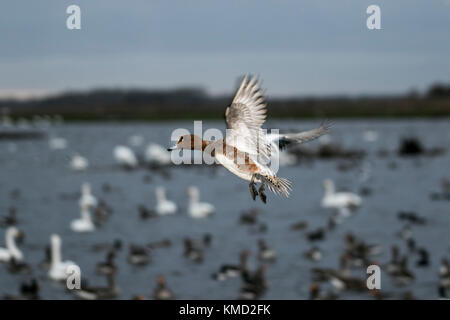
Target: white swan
[
  {"x": 339, "y": 200},
  {"x": 164, "y": 206},
  {"x": 11, "y": 251},
  {"x": 157, "y": 154},
  {"x": 196, "y": 208},
  {"x": 84, "y": 224},
  {"x": 125, "y": 157},
  {"x": 58, "y": 268},
  {"x": 79, "y": 163},
  {"x": 87, "y": 199}
]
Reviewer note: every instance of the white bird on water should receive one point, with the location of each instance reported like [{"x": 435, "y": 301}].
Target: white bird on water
[
  {"x": 157, "y": 154},
  {"x": 342, "y": 201},
  {"x": 84, "y": 224},
  {"x": 125, "y": 157},
  {"x": 79, "y": 163},
  {"x": 164, "y": 206},
  {"x": 197, "y": 209},
  {"x": 58, "y": 268},
  {"x": 87, "y": 199},
  {"x": 11, "y": 251}
]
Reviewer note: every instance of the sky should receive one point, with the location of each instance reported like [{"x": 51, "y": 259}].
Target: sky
[{"x": 297, "y": 47}]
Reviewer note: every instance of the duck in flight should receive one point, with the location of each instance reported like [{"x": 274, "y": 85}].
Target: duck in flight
[{"x": 246, "y": 149}]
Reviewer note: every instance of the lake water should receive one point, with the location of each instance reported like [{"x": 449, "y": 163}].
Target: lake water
[{"x": 48, "y": 202}]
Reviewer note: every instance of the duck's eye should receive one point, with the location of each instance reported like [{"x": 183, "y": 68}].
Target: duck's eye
[{"x": 179, "y": 140}]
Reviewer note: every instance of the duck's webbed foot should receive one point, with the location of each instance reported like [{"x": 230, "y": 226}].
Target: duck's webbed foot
[
  {"x": 262, "y": 195},
  {"x": 253, "y": 191}
]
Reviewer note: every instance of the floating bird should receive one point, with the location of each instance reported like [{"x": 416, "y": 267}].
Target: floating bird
[
  {"x": 138, "y": 255},
  {"x": 230, "y": 271},
  {"x": 79, "y": 163},
  {"x": 254, "y": 283},
  {"x": 10, "y": 219},
  {"x": 246, "y": 150},
  {"x": 87, "y": 199},
  {"x": 87, "y": 292},
  {"x": 145, "y": 213},
  {"x": 162, "y": 292},
  {"x": 444, "y": 274},
  {"x": 125, "y": 157},
  {"x": 58, "y": 268},
  {"x": 266, "y": 253},
  {"x": 424, "y": 258},
  {"x": 315, "y": 293},
  {"x": 314, "y": 254},
  {"x": 84, "y": 224},
  {"x": 197, "y": 209},
  {"x": 164, "y": 206},
  {"x": 339, "y": 200},
  {"x": 28, "y": 291},
  {"x": 191, "y": 251},
  {"x": 107, "y": 267},
  {"x": 157, "y": 154},
  {"x": 250, "y": 216},
  {"x": 11, "y": 252},
  {"x": 403, "y": 276}
]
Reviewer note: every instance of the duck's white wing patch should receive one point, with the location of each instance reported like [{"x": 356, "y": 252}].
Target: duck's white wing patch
[{"x": 244, "y": 119}]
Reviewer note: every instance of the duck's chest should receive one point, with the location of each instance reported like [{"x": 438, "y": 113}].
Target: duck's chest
[{"x": 243, "y": 171}]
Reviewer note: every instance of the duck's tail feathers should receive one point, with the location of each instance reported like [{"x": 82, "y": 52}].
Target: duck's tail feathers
[{"x": 277, "y": 185}]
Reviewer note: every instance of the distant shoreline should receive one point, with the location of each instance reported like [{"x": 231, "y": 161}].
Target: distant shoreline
[{"x": 180, "y": 104}]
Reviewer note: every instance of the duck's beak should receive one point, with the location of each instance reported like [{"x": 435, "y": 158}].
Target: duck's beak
[{"x": 172, "y": 148}]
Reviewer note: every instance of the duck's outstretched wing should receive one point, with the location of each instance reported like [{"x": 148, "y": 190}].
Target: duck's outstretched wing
[
  {"x": 301, "y": 137},
  {"x": 245, "y": 117}
]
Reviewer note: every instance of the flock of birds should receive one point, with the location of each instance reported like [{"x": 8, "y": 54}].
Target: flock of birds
[{"x": 357, "y": 254}]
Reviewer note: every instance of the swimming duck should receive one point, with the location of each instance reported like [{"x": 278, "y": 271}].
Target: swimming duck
[
  {"x": 191, "y": 251},
  {"x": 87, "y": 292},
  {"x": 250, "y": 216},
  {"x": 145, "y": 213},
  {"x": 424, "y": 260},
  {"x": 28, "y": 291},
  {"x": 444, "y": 274},
  {"x": 58, "y": 267},
  {"x": 314, "y": 254},
  {"x": 266, "y": 253},
  {"x": 230, "y": 271},
  {"x": 102, "y": 213},
  {"x": 11, "y": 251},
  {"x": 339, "y": 200},
  {"x": 403, "y": 276},
  {"x": 84, "y": 224},
  {"x": 125, "y": 157},
  {"x": 197, "y": 209},
  {"x": 138, "y": 255},
  {"x": 164, "y": 206},
  {"x": 162, "y": 292},
  {"x": 246, "y": 149},
  {"x": 79, "y": 163},
  {"x": 394, "y": 265},
  {"x": 108, "y": 266},
  {"x": 164, "y": 243},
  {"x": 254, "y": 284},
  {"x": 315, "y": 293},
  {"x": 10, "y": 219}
]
